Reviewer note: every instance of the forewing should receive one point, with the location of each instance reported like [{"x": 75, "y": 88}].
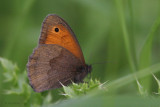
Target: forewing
[{"x": 64, "y": 37}]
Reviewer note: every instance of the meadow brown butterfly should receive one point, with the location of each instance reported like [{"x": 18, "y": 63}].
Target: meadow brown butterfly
[{"x": 58, "y": 58}]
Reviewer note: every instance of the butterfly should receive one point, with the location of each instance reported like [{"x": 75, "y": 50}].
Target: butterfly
[{"x": 58, "y": 58}]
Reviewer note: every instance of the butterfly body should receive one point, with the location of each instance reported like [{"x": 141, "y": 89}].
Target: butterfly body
[{"x": 58, "y": 58}]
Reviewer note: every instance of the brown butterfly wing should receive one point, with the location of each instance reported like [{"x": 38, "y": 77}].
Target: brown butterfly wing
[
  {"x": 50, "y": 65},
  {"x": 64, "y": 37}
]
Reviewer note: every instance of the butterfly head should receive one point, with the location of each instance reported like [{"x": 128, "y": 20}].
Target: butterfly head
[{"x": 88, "y": 68}]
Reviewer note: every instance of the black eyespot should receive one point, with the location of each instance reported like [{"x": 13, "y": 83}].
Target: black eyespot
[{"x": 56, "y": 30}]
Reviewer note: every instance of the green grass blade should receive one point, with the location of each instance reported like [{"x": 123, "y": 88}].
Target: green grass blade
[
  {"x": 158, "y": 82},
  {"x": 145, "y": 54},
  {"x": 130, "y": 78},
  {"x": 125, "y": 35},
  {"x": 110, "y": 101}
]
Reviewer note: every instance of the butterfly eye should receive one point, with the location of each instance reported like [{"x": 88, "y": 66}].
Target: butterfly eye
[{"x": 56, "y": 30}]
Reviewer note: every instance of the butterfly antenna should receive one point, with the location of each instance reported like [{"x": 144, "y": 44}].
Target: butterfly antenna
[{"x": 104, "y": 62}]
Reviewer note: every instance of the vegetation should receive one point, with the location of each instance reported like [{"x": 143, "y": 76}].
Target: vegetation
[{"x": 119, "y": 38}]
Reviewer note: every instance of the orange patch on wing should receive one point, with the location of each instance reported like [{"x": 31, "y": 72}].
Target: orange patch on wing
[{"x": 65, "y": 39}]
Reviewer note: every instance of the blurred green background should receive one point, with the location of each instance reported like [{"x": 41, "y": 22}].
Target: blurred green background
[{"x": 117, "y": 37}]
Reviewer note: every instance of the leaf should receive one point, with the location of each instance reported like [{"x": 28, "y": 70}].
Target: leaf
[
  {"x": 158, "y": 82},
  {"x": 75, "y": 90},
  {"x": 145, "y": 53},
  {"x": 10, "y": 70},
  {"x": 141, "y": 89}
]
